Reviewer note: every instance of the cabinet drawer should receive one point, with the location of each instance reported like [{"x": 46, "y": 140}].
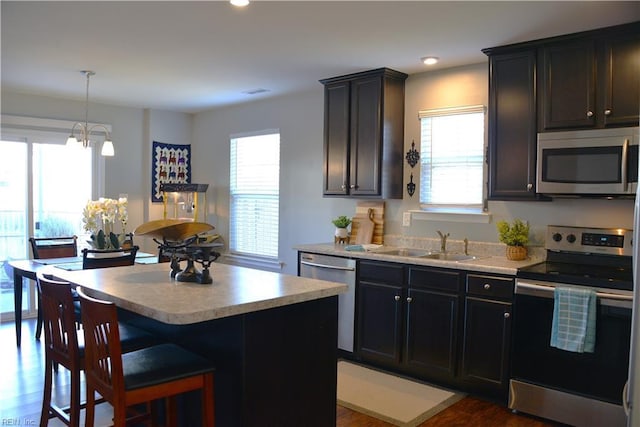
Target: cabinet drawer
[
  {"x": 379, "y": 272},
  {"x": 449, "y": 281},
  {"x": 490, "y": 286}
]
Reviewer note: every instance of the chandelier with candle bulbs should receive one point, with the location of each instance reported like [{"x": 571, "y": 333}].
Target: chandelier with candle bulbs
[{"x": 85, "y": 130}]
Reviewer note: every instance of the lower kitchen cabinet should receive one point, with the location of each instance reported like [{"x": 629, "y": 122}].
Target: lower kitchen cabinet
[
  {"x": 487, "y": 335},
  {"x": 379, "y": 306},
  {"x": 380, "y": 322},
  {"x": 422, "y": 322},
  {"x": 409, "y": 325},
  {"x": 432, "y": 323}
]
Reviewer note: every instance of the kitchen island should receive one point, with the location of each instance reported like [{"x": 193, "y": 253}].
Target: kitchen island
[{"x": 272, "y": 337}]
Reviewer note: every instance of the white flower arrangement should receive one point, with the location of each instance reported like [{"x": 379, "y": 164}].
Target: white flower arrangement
[{"x": 99, "y": 218}]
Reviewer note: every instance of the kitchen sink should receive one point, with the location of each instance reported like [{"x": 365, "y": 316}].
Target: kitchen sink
[
  {"x": 420, "y": 253},
  {"x": 404, "y": 252},
  {"x": 449, "y": 256}
]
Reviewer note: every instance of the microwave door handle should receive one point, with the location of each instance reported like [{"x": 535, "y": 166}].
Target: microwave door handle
[{"x": 623, "y": 169}]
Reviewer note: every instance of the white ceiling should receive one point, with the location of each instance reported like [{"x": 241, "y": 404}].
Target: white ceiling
[{"x": 194, "y": 56}]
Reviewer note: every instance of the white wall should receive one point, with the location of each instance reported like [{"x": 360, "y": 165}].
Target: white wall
[{"x": 305, "y": 214}]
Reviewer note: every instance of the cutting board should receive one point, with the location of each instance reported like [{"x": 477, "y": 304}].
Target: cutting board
[
  {"x": 362, "y": 213},
  {"x": 365, "y": 229}
]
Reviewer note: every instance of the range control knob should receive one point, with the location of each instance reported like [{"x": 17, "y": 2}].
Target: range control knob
[
  {"x": 571, "y": 238},
  {"x": 556, "y": 237}
]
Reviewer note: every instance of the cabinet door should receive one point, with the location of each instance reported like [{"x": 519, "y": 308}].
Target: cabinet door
[
  {"x": 487, "y": 337},
  {"x": 366, "y": 98},
  {"x": 431, "y": 337},
  {"x": 568, "y": 86},
  {"x": 336, "y": 138},
  {"x": 379, "y": 322},
  {"x": 621, "y": 81},
  {"x": 512, "y": 126}
]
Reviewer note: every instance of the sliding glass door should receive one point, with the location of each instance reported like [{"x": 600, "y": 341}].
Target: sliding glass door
[{"x": 44, "y": 186}]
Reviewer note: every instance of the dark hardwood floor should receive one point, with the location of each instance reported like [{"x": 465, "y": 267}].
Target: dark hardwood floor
[{"x": 22, "y": 377}]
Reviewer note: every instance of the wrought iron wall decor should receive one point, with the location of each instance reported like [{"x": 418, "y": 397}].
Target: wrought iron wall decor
[
  {"x": 412, "y": 158},
  {"x": 412, "y": 155},
  {"x": 411, "y": 187},
  {"x": 171, "y": 164}
]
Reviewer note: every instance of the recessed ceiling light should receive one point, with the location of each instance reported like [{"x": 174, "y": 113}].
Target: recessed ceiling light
[
  {"x": 239, "y": 3},
  {"x": 429, "y": 60}
]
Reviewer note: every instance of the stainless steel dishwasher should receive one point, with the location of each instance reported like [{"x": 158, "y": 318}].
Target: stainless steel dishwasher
[{"x": 341, "y": 270}]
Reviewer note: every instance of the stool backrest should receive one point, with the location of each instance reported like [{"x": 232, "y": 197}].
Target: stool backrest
[
  {"x": 93, "y": 258},
  {"x": 60, "y": 335},
  {"x": 103, "y": 351},
  {"x": 54, "y": 247}
]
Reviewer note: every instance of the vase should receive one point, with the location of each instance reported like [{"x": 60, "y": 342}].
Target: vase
[
  {"x": 340, "y": 235},
  {"x": 516, "y": 253}
]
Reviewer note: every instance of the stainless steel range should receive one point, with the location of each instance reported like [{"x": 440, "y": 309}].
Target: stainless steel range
[{"x": 580, "y": 389}]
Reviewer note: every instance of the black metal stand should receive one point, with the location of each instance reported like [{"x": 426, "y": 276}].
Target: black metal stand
[{"x": 193, "y": 253}]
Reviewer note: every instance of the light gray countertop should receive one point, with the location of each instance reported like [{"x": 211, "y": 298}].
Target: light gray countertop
[
  {"x": 148, "y": 289},
  {"x": 484, "y": 263}
]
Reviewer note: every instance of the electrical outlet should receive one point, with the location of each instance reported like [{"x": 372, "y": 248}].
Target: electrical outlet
[{"x": 406, "y": 219}]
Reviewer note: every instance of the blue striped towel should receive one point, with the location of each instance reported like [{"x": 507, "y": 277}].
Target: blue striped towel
[{"x": 574, "y": 320}]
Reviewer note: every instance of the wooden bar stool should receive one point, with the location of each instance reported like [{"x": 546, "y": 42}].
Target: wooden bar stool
[
  {"x": 52, "y": 247},
  {"x": 123, "y": 380},
  {"x": 63, "y": 346}
]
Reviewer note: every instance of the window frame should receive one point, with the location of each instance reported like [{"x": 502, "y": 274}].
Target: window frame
[{"x": 253, "y": 259}]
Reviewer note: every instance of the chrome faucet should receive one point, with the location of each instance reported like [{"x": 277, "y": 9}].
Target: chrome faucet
[{"x": 443, "y": 241}]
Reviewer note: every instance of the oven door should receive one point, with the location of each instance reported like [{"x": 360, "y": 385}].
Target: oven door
[{"x": 600, "y": 375}]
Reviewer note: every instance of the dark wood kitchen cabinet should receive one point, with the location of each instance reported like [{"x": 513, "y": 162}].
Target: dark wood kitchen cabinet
[
  {"x": 409, "y": 325},
  {"x": 432, "y": 328},
  {"x": 380, "y": 295},
  {"x": 487, "y": 335},
  {"x": 592, "y": 81},
  {"x": 512, "y": 125},
  {"x": 363, "y": 134}
]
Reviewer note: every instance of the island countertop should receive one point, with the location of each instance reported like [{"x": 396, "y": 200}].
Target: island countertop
[{"x": 149, "y": 291}]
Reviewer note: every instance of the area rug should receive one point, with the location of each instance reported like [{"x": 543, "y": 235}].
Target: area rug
[{"x": 390, "y": 398}]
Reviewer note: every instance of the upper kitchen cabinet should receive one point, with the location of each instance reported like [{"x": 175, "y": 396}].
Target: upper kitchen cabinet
[
  {"x": 590, "y": 81},
  {"x": 363, "y": 134},
  {"x": 512, "y": 125}
]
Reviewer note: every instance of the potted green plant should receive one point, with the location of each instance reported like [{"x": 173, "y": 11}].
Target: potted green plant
[
  {"x": 515, "y": 235},
  {"x": 341, "y": 223}
]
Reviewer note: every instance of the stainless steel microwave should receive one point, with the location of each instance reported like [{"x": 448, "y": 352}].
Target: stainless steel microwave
[{"x": 600, "y": 162}]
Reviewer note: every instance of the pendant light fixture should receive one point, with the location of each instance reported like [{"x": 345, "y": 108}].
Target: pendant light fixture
[{"x": 85, "y": 130}]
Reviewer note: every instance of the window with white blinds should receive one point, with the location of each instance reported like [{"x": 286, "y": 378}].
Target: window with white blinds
[
  {"x": 452, "y": 158},
  {"x": 254, "y": 195}
]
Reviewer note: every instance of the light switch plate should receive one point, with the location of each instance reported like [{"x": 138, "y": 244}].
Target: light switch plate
[{"x": 406, "y": 219}]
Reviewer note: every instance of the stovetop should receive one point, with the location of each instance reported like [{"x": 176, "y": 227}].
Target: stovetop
[
  {"x": 587, "y": 257},
  {"x": 579, "y": 274}
]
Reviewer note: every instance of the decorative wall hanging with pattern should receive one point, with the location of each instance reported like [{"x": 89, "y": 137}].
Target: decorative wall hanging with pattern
[{"x": 171, "y": 164}]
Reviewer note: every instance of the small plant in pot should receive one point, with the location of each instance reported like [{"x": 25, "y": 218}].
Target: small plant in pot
[
  {"x": 515, "y": 236},
  {"x": 341, "y": 223}
]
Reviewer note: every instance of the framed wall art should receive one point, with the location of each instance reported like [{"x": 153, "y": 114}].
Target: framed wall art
[{"x": 171, "y": 164}]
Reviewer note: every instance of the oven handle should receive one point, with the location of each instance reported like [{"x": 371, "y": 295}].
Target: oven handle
[{"x": 527, "y": 288}]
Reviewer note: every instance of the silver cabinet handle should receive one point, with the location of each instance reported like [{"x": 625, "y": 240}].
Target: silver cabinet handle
[
  {"x": 589, "y": 113},
  {"x": 397, "y": 297},
  {"x": 487, "y": 286},
  {"x": 344, "y": 186},
  {"x": 507, "y": 315},
  {"x": 409, "y": 299},
  {"x": 352, "y": 186},
  {"x": 529, "y": 187},
  {"x": 607, "y": 112}
]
